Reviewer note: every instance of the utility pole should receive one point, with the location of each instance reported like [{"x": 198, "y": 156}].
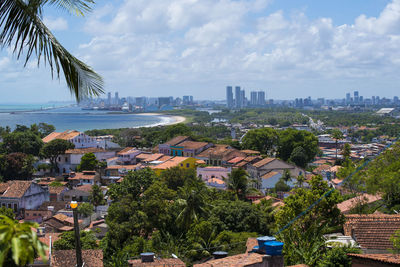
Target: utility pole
[{"x": 74, "y": 206}]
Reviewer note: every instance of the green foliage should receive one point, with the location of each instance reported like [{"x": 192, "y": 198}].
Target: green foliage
[
  {"x": 56, "y": 184},
  {"x": 299, "y": 157},
  {"x": 303, "y": 240},
  {"x": 337, "y": 257},
  {"x": 19, "y": 244},
  {"x": 263, "y": 140},
  {"x": 96, "y": 196},
  {"x": 67, "y": 241},
  {"x": 7, "y": 212},
  {"x": 88, "y": 162},
  {"x": 238, "y": 182},
  {"x": 281, "y": 186},
  {"x": 176, "y": 177},
  {"x": 85, "y": 209},
  {"x": 16, "y": 166},
  {"x": 55, "y": 148},
  {"x": 346, "y": 151},
  {"x": 25, "y": 142},
  {"x": 396, "y": 241},
  {"x": 289, "y": 139},
  {"x": 45, "y": 129}
]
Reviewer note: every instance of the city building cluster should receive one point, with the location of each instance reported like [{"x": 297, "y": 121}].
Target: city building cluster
[{"x": 257, "y": 98}]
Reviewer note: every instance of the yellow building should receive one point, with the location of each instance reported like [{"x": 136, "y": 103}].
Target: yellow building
[{"x": 181, "y": 162}]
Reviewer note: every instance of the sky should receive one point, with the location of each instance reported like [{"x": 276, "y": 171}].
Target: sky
[{"x": 288, "y": 48}]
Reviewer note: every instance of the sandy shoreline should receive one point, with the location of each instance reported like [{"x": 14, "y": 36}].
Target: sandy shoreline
[{"x": 175, "y": 119}]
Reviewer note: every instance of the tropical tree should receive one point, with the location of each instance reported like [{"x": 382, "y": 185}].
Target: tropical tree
[
  {"x": 337, "y": 135},
  {"x": 96, "y": 197},
  {"x": 346, "y": 151},
  {"x": 85, "y": 209},
  {"x": 22, "y": 30},
  {"x": 88, "y": 162},
  {"x": 262, "y": 140},
  {"x": 25, "y": 142},
  {"x": 300, "y": 180},
  {"x": 289, "y": 139},
  {"x": 193, "y": 201},
  {"x": 67, "y": 241},
  {"x": 19, "y": 244},
  {"x": 238, "y": 182},
  {"x": 53, "y": 149}
]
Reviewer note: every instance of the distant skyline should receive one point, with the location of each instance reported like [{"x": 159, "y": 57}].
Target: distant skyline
[{"x": 290, "y": 49}]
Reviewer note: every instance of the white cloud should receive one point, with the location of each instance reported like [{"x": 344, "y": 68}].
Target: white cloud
[{"x": 56, "y": 24}]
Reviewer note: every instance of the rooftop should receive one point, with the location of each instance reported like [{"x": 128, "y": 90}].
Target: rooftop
[
  {"x": 67, "y": 135},
  {"x": 64, "y": 258},
  {"x": 263, "y": 162},
  {"x": 385, "y": 258},
  {"x": 193, "y": 144},
  {"x": 177, "y": 140},
  {"x": 85, "y": 150},
  {"x": 158, "y": 263},
  {"x": 15, "y": 189}
]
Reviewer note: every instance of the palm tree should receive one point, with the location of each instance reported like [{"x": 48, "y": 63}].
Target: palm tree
[
  {"x": 19, "y": 244},
  {"x": 238, "y": 181},
  {"x": 194, "y": 203},
  {"x": 337, "y": 135},
  {"x": 21, "y": 27},
  {"x": 300, "y": 180}
]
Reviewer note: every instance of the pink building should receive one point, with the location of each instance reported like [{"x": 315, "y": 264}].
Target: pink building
[{"x": 214, "y": 175}]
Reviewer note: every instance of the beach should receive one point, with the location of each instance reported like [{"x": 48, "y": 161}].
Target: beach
[{"x": 170, "y": 119}]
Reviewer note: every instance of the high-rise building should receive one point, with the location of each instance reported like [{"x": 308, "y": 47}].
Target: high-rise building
[
  {"x": 373, "y": 100},
  {"x": 109, "y": 98},
  {"x": 396, "y": 100},
  {"x": 116, "y": 100},
  {"x": 229, "y": 97},
  {"x": 164, "y": 101},
  {"x": 261, "y": 98},
  {"x": 253, "y": 98},
  {"x": 361, "y": 99},
  {"x": 238, "y": 101},
  {"x": 348, "y": 98},
  {"x": 356, "y": 97},
  {"x": 243, "y": 98}
]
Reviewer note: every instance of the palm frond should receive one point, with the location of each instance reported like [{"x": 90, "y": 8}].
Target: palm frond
[
  {"x": 22, "y": 28},
  {"x": 73, "y": 6}
]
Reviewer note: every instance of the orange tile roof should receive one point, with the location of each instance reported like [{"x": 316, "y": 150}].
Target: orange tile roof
[
  {"x": 56, "y": 189},
  {"x": 60, "y": 217},
  {"x": 239, "y": 260},
  {"x": 347, "y": 205},
  {"x": 236, "y": 160},
  {"x": 250, "y": 152},
  {"x": 263, "y": 162},
  {"x": 320, "y": 168},
  {"x": 83, "y": 175},
  {"x": 269, "y": 175},
  {"x": 67, "y": 135},
  {"x": 149, "y": 157},
  {"x": 86, "y": 188},
  {"x": 16, "y": 189},
  {"x": 127, "y": 150},
  {"x": 217, "y": 150},
  {"x": 175, "y": 161},
  {"x": 216, "y": 181},
  {"x": 176, "y": 140},
  {"x": 386, "y": 258},
  {"x": 193, "y": 144},
  {"x": 127, "y": 167}
]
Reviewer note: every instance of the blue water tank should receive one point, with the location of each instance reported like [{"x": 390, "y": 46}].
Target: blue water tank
[
  {"x": 273, "y": 248},
  {"x": 261, "y": 240}
]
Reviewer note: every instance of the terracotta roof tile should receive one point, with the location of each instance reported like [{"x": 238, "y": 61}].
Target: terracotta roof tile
[
  {"x": 173, "y": 162},
  {"x": 88, "y": 175},
  {"x": 216, "y": 151},
  {"x": 56, "y": 189},
  {"x": 263, "y": 162},
  {"x": 251, "y": 152},
  {"x": 386, "y": 258},
  {"x": 193, "y": 144},
  {"x": 86, "y": 188},
  {"x": 177, "y": 140},
  {"x": 239, "y": 260},
  {"x": 149, "y": 157},
  {"x": 347, "y": 205},
  {"x": 269, "y": 175},
  {"x": 16, "y": 189},
  {"x": 158, "y": 263},
  {"x": 50, "y": 137},
  {"x": 127, "y": 150},
  {"x": 236, "y": 160},
  {"x": 85, "y": 150},
  {"x": 64, "y": 258}
]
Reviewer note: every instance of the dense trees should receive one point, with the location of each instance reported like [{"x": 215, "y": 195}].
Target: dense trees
[
  {"x": 96, "y": 196},
  {"x": 16, "y": 166},
  {"x": 26, "y": 142},
  {"x": 67, "y": 241},
  {"x": 263, "y": 140},
  {"x": 238, "y": 181},
  {"x": 303, "y": 239}
]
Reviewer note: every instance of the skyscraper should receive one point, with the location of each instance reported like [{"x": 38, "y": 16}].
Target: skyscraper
[
  {"x": 348, "y": 98},
  {"x": 116, "y": 100},
  {"x": 253, "y": 98},
  {"x": 356, "y": 97},
  {"x": 261, "y": 98},
  {"x": 243, "y": 98},
  {"x": 229, "y": 97},
  {"x": 109, "y": 98},
  {"x": 238, "y": 99}
]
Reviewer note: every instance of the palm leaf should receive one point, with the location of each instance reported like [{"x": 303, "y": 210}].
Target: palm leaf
[{"x": 22, "y": 28}]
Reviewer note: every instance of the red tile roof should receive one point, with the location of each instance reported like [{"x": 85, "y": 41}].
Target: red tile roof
[
  {"x": 193, "y": 144},
  {"x": 251, "y": 152},
  {"x": 269, "y": 175},
  {"x": 239, "y": 260},
  {"x": 85, "y": 150},
  {"x": 56, "y": 189},
  {"x": 173, "y": 162},
  {"x": 88, "y": 175},
  {"x": 347, "y": 205},
  {"x": 372, "y": 231},
  {"x": 236, "y": 160},
  {"x": 386, "y": 258},
  {"x": 16, "y": 189},
  {"x": 177, "y": 140},
  {"x": 67, "y": 135},
  {"x": 66, "y": 258},
  {"x": 86, "y": 188}
]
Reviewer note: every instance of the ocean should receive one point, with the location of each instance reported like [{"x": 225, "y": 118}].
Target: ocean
[{"x": 74, "y": 118}]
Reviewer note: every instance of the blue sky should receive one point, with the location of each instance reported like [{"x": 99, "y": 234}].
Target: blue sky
[{"x": 289, "y": 48}]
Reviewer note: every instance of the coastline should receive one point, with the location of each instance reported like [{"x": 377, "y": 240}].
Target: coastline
[{"x": 169, "y": 119}]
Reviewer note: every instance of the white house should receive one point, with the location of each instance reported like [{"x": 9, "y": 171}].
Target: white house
[
  {"x": 72, "y": 157},
  {"x": 128, "y": 155},
  {"x": 19, "y": 195},
  {"x": 80, "y": 140}
]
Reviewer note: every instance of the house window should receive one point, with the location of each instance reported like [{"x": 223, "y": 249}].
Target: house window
[
  {"x": 9, "y": 205},
  {"x": 187, "y": 165},
  {"x": 34, "y": 214},
  {"x": 15, "y": 207},
  {"x": 66, "y": 159},
  {"x": 181, "y": 165}
]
